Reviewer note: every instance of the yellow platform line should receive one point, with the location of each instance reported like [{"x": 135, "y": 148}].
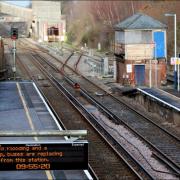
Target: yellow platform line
[{"x": 48, "y": 173}]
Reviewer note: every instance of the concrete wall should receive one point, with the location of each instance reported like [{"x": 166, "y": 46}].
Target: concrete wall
[
  {"x": 24, "y": 13},
  {"x": 162, "y": 112},
  {"x": 45, "y": 15},
  {"x": 47, "y": 10},
  {"x": 18, "y": 17}
]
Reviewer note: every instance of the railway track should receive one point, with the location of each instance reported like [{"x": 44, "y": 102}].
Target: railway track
[
  {"x": 140, "y": 124},
  {"x": 94, "y": 101},
  {"x": 94, "y": 121},
  {"x": 118, "y": 120},
  {"x": 114, "y": 167}
]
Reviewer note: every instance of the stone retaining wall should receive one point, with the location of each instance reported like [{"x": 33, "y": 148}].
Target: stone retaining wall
[{"x": 164, "y": 112}]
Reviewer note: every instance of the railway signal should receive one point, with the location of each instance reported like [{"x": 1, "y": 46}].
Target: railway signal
[
  {"x": 76, "y": 86},
  {"x": 14, "y": 36},
  {"x": 14, "y": 33}
]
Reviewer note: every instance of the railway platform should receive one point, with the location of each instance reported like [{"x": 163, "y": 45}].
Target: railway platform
[
  {"x": 172, "y": 91},
  {"x": 23, "y": 108},
  {"x": 162, "y": 97}
]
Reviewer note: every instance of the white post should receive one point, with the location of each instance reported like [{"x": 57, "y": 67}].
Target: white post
[
  {"x": 155, "y": 64},
  {"x": 175, "y": 45},
  {"x": 175, "y": 39},
  {"x": 115, "y": 69},
  {"x": 176, "y": 69},
  {"x": 175, "y": 55},
  {"x": 14, "y": 58},
  {"x": 150, "y": 74},
  {"x": 99, "y": 46},
  {"x": 178, "y": 74},
  {"x": 106, "y": 66}
]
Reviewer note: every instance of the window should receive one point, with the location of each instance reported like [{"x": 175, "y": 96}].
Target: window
[
  {"x": 119, "y": 37},
  {"x": 138, "y": 37}
]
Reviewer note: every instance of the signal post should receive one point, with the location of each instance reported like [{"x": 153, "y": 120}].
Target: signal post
[{"x": 14, "y": 36}]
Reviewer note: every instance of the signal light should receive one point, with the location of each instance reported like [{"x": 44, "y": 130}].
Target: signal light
[{"x": 14, "y": 33}]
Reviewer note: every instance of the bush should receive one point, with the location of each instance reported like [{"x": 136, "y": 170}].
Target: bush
[{"x": 70, "y": 37}]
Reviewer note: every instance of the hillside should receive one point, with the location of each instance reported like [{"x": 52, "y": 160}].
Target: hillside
[{"x": 91, "y": 22}]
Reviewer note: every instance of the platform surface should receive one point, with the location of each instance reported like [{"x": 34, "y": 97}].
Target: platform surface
[
  {"x": 15, "y": 97},
  {"x": 163, "y": 97}
]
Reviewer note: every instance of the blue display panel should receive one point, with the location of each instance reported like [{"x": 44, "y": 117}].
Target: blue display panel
[{"x": 159, "y": 41}]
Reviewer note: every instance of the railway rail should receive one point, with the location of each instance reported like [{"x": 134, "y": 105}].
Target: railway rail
[
  {"x": 115, "y": 144},
  {"x": 84, "y": 92},
  {"x": 100, "y": 101},
  {"x": 120, "y": 168},
  {"x": 135, "y": 120}
]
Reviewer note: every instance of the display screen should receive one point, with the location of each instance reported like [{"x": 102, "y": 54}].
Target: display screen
[{"x": 46, "y": 156}]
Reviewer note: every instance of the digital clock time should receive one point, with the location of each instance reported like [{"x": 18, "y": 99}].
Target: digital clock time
[{"x": 33, "y": 166}]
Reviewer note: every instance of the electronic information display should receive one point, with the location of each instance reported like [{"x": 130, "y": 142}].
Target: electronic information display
[{"x": 44, "y": 156}]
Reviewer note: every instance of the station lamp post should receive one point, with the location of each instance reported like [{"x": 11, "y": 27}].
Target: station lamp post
[{"x": 176, "y": 75}]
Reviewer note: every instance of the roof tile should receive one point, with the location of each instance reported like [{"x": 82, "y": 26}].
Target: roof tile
[{"x": 140, "y": 21}]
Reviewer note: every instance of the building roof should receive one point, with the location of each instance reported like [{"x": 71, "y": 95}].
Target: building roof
[{"x": 140, "y": 21}]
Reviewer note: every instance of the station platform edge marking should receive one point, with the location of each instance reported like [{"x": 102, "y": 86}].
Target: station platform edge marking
[
  {"x": 48, "y": 173},
  {"x": 56, "y": 121}
]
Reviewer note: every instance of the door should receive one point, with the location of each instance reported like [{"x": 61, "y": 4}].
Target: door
[
  {"x": 139, "y": 74},
  {"x": 159, "y": 51}
]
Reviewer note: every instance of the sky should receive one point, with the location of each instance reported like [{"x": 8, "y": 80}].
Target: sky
[{"x": 22, "y": 3}]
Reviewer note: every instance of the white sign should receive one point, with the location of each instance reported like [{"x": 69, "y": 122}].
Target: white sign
[
  {"x": 129, "y": 68},
  {"x": 175, "y": 60}
]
